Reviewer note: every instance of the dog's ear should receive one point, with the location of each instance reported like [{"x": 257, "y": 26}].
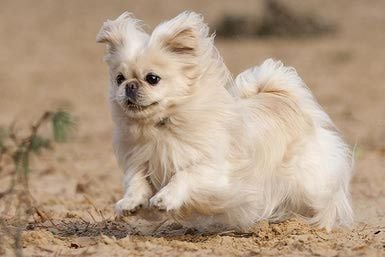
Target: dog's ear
[
  {"x": 182, "y": 34},
  {"x": 121, "y": 31}
]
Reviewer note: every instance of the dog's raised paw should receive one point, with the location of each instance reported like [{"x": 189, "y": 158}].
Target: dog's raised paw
[
  {"x": 165, "y": 201},
  {"x": 158, "y": 203},
  {"x": 128, "y": 206}
]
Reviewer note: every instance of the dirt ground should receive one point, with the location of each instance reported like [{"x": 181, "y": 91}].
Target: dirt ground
[{"x": 49, "y": 58}]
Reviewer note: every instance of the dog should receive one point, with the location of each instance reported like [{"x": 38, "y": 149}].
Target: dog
[{"x": 191, "y": 140}]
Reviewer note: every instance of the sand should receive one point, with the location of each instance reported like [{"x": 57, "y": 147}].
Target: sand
[{"x": 49, "y": 58}]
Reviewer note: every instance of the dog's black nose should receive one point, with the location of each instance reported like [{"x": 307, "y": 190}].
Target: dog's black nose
[{"x": 132, "y": 89}]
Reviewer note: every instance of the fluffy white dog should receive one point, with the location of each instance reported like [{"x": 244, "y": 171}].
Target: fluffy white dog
[{"x": 192, "y": 141}]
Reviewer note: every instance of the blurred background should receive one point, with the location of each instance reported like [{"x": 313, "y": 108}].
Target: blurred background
[
  {"x": 49, "y": 58},
  {"x": 48, "y": 54}
]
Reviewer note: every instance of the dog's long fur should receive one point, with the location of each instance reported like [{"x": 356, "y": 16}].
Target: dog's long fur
[{"x": 238, "y": 152}]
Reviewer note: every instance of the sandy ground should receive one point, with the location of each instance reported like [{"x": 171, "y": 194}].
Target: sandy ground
[{"x": 48, "y": 58}]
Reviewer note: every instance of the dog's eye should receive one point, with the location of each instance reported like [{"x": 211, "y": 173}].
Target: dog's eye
[
  {"x": 152, "y": 78},
  {"x": 120, "y": 79}
]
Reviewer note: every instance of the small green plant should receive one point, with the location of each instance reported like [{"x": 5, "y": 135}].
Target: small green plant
[{"x": 18, "y": 149}]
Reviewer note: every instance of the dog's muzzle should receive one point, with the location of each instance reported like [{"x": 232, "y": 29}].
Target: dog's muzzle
[{"x": 132, "y": 90}]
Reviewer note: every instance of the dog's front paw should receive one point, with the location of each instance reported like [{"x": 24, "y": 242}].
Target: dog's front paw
[
  {"x": 129, "y": 205},
  {"x": 166, "y": 201}
]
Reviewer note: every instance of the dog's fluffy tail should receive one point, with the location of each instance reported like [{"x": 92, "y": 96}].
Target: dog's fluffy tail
[
  {"x": 275, "y": 78},
  {"x": 270, "y": 76}
]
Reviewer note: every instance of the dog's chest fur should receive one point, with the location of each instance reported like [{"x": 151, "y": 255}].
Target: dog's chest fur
[{"x": 168, "y": 154}]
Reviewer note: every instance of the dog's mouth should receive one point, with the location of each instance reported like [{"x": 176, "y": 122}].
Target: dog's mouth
[{"x": 137, "y": 107}]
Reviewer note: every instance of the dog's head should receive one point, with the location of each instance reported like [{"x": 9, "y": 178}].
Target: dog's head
[{"x": 152, "y": 74}]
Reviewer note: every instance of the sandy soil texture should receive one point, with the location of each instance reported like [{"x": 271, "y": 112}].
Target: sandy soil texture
[{"x": 49, "y": 58}]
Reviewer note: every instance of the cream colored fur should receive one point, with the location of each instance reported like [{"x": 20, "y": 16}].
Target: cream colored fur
[{"x": 234, "y": 152}]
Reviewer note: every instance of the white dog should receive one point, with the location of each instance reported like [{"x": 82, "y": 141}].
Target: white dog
[{"x": 191, "y": 141}]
